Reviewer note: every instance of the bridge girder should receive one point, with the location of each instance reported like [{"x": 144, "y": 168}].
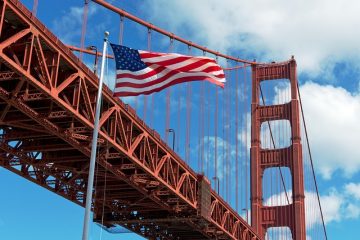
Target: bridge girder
[{"x": 47, "y": 102}]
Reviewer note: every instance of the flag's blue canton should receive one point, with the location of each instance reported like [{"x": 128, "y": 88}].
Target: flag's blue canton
[{"x": 127, "y": 58}]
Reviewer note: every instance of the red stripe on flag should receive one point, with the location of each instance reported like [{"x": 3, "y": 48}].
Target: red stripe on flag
[
  {"x": 150, "y": 54},
  {"x": 163, "y": 70},
  {"x": 177, "y": 81},
  {"x": 142, "y": 84}
]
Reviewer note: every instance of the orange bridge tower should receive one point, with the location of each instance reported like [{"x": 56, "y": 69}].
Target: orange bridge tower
[{"x": 293, "y": 214}]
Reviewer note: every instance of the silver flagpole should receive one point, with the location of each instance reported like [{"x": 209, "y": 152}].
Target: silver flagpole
[{"x": 94, "y": 146}]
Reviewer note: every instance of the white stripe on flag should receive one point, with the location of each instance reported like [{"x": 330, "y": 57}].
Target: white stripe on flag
[{"x": 163, "y": 83}]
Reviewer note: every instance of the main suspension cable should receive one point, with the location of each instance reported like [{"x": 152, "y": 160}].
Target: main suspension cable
[
  {"x": 311, "y": 162},
  {"x": 166, "y": 33}
]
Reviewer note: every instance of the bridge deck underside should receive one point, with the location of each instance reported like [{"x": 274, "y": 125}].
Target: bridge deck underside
[
  {"x": 47, "y": 105},
  {"x": 29, "y": 149}
]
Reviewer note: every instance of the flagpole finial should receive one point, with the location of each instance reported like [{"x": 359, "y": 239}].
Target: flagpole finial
[{"x": 106, "y": 34}]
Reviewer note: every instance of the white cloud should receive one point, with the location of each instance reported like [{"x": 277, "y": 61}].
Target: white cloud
[
  {"x": 332, "y": 116},
  {"x": 353, "y": 211},
  {"x": 318, "y": 32},
  {"x": 331, "y": 205},
  {"x": 222, "y": 145},
  {"x": 353, "y": 189},
  {"x": 336, "y": 206},
  {"x": 312, "y": 213},
  {"x": 68, "y": 26},
  {"x": 244, "y": 136},
  {"x": 278, "y": 233}
]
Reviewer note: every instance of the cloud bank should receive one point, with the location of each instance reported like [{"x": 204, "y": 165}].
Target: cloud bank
[
  {"x": 332, "y": 115},
  {"x": 317, "y": 32}
]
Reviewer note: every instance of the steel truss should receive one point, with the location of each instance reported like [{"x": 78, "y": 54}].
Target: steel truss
[{"x": 47, "y": 104}]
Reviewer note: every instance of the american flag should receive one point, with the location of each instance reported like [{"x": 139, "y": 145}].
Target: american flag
[{"x": 141, "y": 72}]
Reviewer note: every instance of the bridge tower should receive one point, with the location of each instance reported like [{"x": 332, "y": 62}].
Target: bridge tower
[{"x": 293, "y": 214}]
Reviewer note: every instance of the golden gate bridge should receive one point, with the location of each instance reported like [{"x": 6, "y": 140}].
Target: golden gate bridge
[{"x": 200, "y": 184}]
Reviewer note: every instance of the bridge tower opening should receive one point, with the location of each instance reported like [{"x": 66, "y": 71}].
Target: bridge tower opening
[{"x": 291, "y": 215}]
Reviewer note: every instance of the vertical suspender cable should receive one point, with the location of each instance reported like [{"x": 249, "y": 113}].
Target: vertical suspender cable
[
  {"x": 168, "y": 95},
  {"x": 216, "y": 134},
  {"x": 226, "y": 127},
  {"x": 208, "y": 127},
  {"x": 145, "y": 108},
  {"x": 145, "y": 96},
  {"x": 202, "y": 123},
  {"x": 187, "y": 124},
  {"x": 83, "y": 28},
  {"x": 167, "y": 117},
  {"x": 178, "y": 125},
  {"x": 188, "y": 117},
  {"x": 236, "y": 141},
  {"x": 241, "y": 145},
  {"x": 216, "y": 178},
  {"x": 228, "y": 140},
  {"x": 103, "y": 204},
  {"x": 223, "y": 142},
  {"x": 121, "y": 30},
  {"x": 199, "y": 160},
  {"x": 151, "y": 120},
  {"x": 246, "y": 149},
  {"x": 35, "y": 7},
  {"x": 188, "y": 112}
]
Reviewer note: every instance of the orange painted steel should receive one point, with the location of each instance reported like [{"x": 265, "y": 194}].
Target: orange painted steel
[
  {"x": 87, "y": 51},
  {"x": 293, "y": 214},
  {"x": 47, "y": 102}
]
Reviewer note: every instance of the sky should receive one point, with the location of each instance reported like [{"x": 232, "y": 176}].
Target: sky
[{"x": 323, "y": 37}]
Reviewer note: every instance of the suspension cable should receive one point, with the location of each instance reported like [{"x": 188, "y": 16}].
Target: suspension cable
[
  {"x": 246, "y": 151},
  {"x": 121, "y": 30},
  {"x": 146, "y": 96},
  {"x": 35, "y": 7},
  {"x": 228, "y": 140},
  {"x": 201, "y": 125},
  {"x": 216, "y": 136},
  {"x": 311, "y": 161},
  {"x": 151, "y": 120},
  {"x": 168, "y": 99},
  {"x": 208, "y": 111},
  {"x": 103, "y": 204},
  {"x": 83, "y": 28},
  {"x": 236, "y": 140},
  {"x": 166, "y": 33},
  {"x": 188, "y": 117}
]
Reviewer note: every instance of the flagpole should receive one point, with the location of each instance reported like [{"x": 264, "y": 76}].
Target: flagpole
[{"x": 90, "y": 182}]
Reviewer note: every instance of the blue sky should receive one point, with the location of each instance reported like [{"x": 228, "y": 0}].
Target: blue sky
[{"x": 321, "y": 34}]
